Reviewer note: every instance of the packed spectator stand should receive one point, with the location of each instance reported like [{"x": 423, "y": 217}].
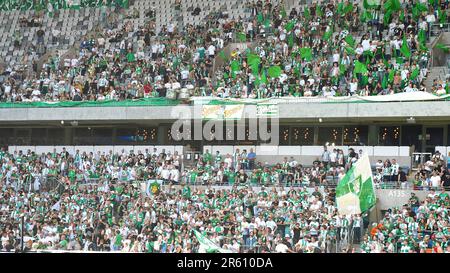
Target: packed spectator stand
[{"x": 315, "y": 50}]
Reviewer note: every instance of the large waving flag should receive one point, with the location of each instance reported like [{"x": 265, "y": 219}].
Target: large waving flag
[
  {"x": 355, "y": 192},
  {"x": 207, "y": 245},
  {"x": 405, "y": 48}
]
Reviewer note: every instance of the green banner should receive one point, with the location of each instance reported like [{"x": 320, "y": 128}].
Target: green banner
[
  {"x": 355, "y": 192},
  {"x": 106, "y": 103}
]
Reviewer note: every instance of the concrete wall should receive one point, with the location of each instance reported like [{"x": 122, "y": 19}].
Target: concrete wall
[
  {"x": 443, "y": 150},
  {"x": 387, "y": 199},
  {"x": 307, "y": 154},
  {"x": 422, "y": 111},
  {"x": 439, "y": 56}
]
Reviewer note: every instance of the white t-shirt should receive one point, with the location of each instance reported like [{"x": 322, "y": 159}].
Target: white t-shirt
[
  {"x": 435, "y": 181},
  {"x": 430, "y": 18},
  {"x": 333, "y": 157},
  {"x": 281, "y": 248},
  {"x": 211, "y": 50},
  {"x": 353, "y": 87},
  {"x": 366, "y": 45},
  {"x": 335, "y": 57}
]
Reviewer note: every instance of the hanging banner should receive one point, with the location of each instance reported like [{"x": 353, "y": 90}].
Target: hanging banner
[
  {"x": 233, "y": 111},
  {"x": 266, "y": 110},
  {"x": 221, "y": 112}
]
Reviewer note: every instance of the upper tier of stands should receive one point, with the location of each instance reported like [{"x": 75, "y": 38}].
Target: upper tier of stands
[{"x": 171, "y": 48}]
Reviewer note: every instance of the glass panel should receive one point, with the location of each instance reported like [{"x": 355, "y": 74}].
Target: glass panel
[
  {"x": 39, "y": 136},
  {"x": 435, "y": 136},
  {"x": 330, "y": 135},
  {"x": 125, "y": 136},
  {"x": 102, "y": 136},
  {"x": 355, "y": 135},
  {"x": 389, "y": 136},
  {"x": 7, "y": 136},
  {"x": 284, "y": 135},
  {"x": 23, "y": 137},
  {"x": 83, "y": 136},
  {"x": 56, "y": 136},
  {"x": 302, "y": 136},
  {"x": 412, "y": 136}
]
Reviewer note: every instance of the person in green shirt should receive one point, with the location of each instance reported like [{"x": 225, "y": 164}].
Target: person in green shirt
[{"x": 207, "y": 157}]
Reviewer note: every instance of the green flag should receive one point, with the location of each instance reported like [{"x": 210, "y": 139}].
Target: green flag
[
  {"x": 415, "y": 73},
  {"x": 392, "y": 5},
  {"x": 402, "y": 16},
  {"x": 235, "y": 66},
  {"x": 264, "y": 77},
  {"x": 327, "y": 34},
  {"x": 306, "y": 53},
  {"x": 415, "y": 12},
  {"x": 422, "y": 37},
  {"x": 371, "y": 4},
  {"x": 241, "y": 36},
  {"x": 387, "y": 17},
  {"x": 253, "y": 58},
  {"x": 355, "y": 193},
  {"x": 391, "y": 76},
  {"x": 274, "y": 71},
  {"x": 350, "y": 41},
  {"x": 319, "y": 11},
  {"x": 350, "y": 50},
  {"x": 289, "y": 26},
  {"x": 283, "y": 13},
  {"x": 257, "y": 80},
  {"x": 384, "y": 83},
  {"x": 207, "y": 245},
  {"x": 348, "y": 8},
  {"x": 421, "y": 7},
  {"x": 222, "y": 55},
  {"x": 253, "y": 61},
  {"x": 364, "y": 80},
  {"x": 291, "y": 40},
  {"x": 443, "y": 47},
  {"x": 342, "y": 69},
  {"x": 306, "y": 13},
  {"x": 359, "y": 68},
  {"x": 366, "y": 16},
  {"x": 340, "y": 8},
  {"x": 405, "y": 48},
  {"x": 260, "y": 18}
]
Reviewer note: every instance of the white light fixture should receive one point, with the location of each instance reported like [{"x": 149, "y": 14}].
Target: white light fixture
[{"x": 411, "y": 120}]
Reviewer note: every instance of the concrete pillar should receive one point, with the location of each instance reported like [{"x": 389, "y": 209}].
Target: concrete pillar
[
  {"x": 373, "y": 135},
  {"x": 316, "y": 136},
  {"x": 162, "y": 135},
  {"x": 68, "y": 136}
]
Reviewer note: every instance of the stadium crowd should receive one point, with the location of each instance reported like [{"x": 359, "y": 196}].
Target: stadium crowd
[
  {"x": 100, "y": 206},
  {"x": 333, "y": 49}
]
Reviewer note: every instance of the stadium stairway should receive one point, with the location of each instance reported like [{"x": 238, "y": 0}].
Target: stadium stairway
[{"x": 436, "y": 73}]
